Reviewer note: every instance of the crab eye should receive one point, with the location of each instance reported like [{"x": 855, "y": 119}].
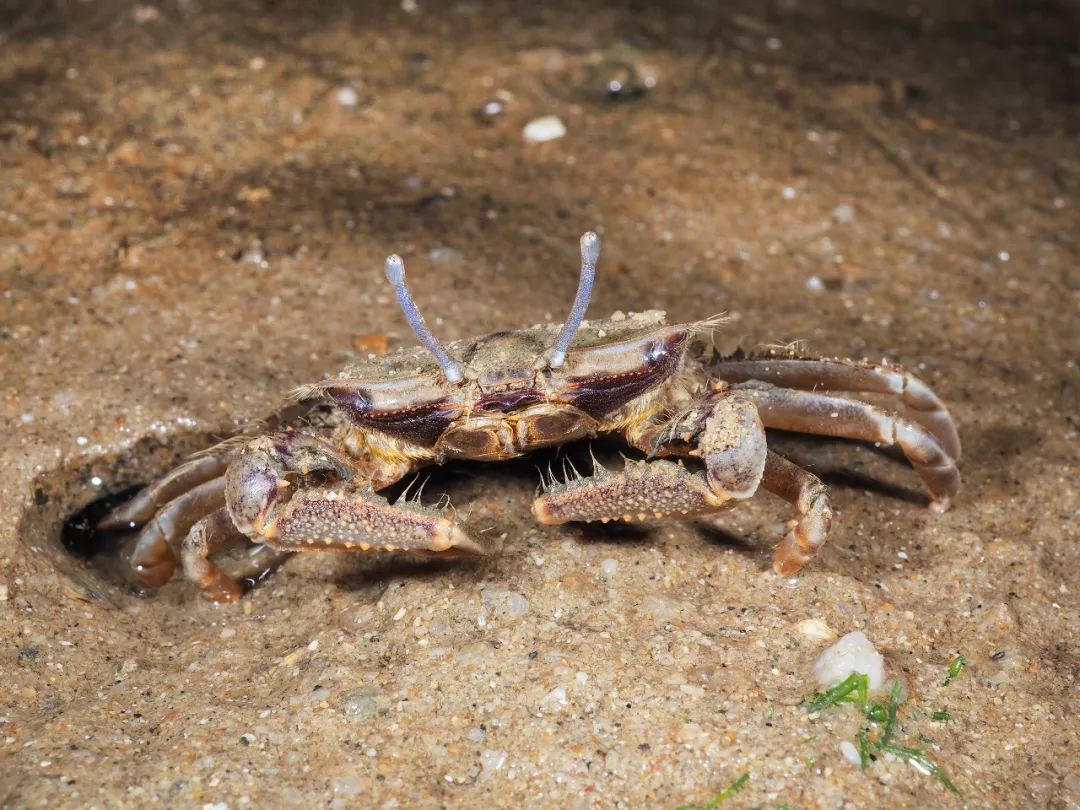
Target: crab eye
[
  {"x": 656, "y": 352},
  {"x": 353, "y": 402}
]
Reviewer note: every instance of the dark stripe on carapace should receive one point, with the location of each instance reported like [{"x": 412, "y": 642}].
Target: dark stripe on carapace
[
  {"x": 422, "y": 425},
  {"x": 599, "y": 395},
  {"x": 508, "y": 401}
]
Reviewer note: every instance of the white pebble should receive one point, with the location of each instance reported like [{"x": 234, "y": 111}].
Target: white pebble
[
  {"x": 853, "y": 653},
  {"x": 788, "y": 193},
  {"x": 815, "y": 284},
  {"x": 609, "y": 566},
  {"x": 556, "y": 696},
  {"x": 491, "y": 761},
  {"x": 546, "y": 128},
  {"x": 347, "y": 97},
  {"x": 850, "y": 752},
  {"x": 845, "y": 212},
  {"x": 506, "y": 603},
  {"x": 349, "y": 785}
]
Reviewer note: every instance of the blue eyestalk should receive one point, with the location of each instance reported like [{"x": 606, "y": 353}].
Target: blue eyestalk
[
  {"x": 395, "y": 274},
  {"x": 590, "y": 253}
]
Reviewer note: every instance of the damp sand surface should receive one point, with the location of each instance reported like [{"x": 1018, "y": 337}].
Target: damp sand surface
[{"x": 194, "y": 208}]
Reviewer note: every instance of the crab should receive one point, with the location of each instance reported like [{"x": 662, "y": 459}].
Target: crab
[{"x": 314, "y": 482}]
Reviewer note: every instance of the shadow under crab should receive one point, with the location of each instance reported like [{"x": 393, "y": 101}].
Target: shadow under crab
[{"x": 314, "y": 483}]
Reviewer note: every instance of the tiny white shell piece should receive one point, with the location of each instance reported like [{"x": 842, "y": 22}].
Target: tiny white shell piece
[{"x": 815, "y": 630}]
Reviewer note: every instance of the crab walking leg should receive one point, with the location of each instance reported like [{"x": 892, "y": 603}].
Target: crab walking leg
[
  {"x": 808, "y": 412},
  {"x": 140, "y": 509},
  {"x": 732, "y": 445},
  {"x": 921, "y": 404},
  {"x": 211, "y": 534},
  {"x": 152, "y": 558},
  {"x": 803, "y": 490}
]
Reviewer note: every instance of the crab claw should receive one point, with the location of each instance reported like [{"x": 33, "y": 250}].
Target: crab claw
[{"x": 336, "y": 520}]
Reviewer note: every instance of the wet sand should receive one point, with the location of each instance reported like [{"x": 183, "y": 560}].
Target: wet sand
[{"x": 194, "y": 207}]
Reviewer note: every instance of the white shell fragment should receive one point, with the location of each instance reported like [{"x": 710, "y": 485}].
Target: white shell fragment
[
  {"x": 853, "y": 653},
  {"x": 815, "y": 630},
  {"x": 546, "y": 128}
]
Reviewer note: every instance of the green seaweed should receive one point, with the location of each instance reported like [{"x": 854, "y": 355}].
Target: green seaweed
[
  {"x": 876, "y": 713},
  {"x": 921, "y": 760},
  {"x": 890, "y": 712},
  {"x": 941, "y": 717},
  {"x": 841, "y": 693},
  {"x": 864, "y": 748},
  {"x": 723, "y": 795},
  {"x": 956, "y": 666},
  {"x": 853, "y": 689}
]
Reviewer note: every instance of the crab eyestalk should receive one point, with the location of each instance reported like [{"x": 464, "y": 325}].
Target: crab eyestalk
[
  {"x": 590, "y": 252},
  {"x": 395, "y": 274}
]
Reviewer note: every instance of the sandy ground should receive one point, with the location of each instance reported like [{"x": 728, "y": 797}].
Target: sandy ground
[{"x": 194, "y": 206}]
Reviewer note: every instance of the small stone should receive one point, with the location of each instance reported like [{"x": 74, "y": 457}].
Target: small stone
[
  {"x": 845, "y": 213},
  {"x": 505, "y": 603},
  {"x": 608, "y": 567},
  {"x": 364, "y": 703},
  {"x": 491, "y": 761},
  {"x": 489, "y": 111},
  {"x": 852, "y": 653},
  {"x": 350, "y": 785},
  {"x": 347, "y": 97},
  {"x": 441, "y": 255},
  {"x": 850, "y": 752},
  {"x": 546, "y": 128},
  {"x": 556, "y": 697}
]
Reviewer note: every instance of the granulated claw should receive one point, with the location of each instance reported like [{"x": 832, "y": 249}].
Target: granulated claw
[{"x": 315, "y": 486}]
